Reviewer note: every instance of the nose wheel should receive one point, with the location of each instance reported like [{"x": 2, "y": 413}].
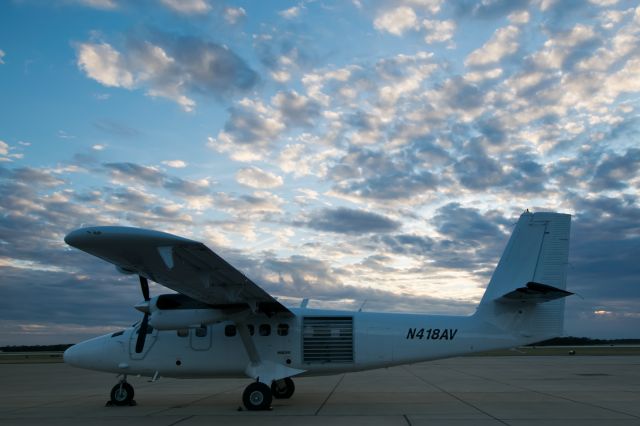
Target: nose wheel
[{"x": 122, "y": 394}]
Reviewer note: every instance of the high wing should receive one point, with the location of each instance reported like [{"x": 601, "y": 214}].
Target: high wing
[{"x": 186, "y": 266}]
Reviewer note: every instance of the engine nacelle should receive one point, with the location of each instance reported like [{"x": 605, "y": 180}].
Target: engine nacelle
[{"x": 175, "y": 319}]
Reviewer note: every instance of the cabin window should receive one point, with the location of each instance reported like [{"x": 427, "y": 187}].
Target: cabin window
[
  {"x": 252, "y": 329},
  {"x": 201, "y": 331},
  {"x": 230, "y": 330},
  {"x": 183, "y": 332},
  {"x": 265, "y": 329},
  {"x": 283, "y": 329}
]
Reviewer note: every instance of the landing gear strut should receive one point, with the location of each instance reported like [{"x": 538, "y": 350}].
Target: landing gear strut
[
  {"x": 122, "y": 394},
  {"x": 283, "y": 389}
]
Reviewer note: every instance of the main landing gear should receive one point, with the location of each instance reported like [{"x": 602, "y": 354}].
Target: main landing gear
[
  {"x": 122, "y": 394},
  {"x": 258, "y": 396}
]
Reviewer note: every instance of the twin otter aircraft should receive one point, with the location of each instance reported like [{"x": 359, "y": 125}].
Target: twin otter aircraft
[{"x": 221, "y": 324}]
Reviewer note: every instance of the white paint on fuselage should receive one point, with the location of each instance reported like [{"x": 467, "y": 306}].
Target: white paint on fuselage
[{"x": 379, "y": 340}]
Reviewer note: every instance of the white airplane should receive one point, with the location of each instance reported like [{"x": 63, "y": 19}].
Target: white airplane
[{"x": 221, "y": 324}]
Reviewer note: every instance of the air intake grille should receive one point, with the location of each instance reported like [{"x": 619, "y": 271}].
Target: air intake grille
[{"x": 327, "y": 339}]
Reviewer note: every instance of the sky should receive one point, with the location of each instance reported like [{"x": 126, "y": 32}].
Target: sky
[{"x": 372, "y": 154}]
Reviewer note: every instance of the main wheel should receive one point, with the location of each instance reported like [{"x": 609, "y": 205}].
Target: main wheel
[
  {"x": 283, "y": 389},
  {"x": 257, "y": 396},
  {"x": 122, "y": 394}
]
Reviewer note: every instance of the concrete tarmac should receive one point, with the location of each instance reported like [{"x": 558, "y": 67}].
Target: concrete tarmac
[{"x": 562, "y": 390}]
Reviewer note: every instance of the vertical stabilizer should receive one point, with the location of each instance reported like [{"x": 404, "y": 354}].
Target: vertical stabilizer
[{"x": 537, "y": 253}]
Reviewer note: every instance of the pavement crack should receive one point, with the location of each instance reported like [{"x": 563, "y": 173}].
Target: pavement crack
[
  {"x": 455, "y": 396},
  {"x": 329, "y": 396},
  {"x": 181, "y": 420},
  {"x": 545, "y": 393}
]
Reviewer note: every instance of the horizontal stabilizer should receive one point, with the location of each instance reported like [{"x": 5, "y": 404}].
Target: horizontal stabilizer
[{"x": 533, "y": 293}]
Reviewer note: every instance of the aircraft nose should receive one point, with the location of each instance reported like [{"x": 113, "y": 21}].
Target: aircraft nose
[
  {"x": 77, "y": 237},
  {"x": 87, "y": 354},
  {"x": 70, "y": 356}
]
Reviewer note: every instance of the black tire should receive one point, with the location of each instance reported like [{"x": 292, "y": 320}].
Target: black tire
[
  {"x": 122, "y": 394},
  {"x": 283, "y": 389},
  {"x": 257, "y": 396}
]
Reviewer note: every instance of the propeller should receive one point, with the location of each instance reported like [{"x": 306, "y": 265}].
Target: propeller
[{"x": 142, "y": 331}]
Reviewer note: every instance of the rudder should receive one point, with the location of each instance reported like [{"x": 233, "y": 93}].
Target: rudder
[{"x": 525, "y": 295}]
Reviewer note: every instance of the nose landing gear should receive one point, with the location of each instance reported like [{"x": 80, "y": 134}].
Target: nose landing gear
[{"x": 122, "y": 394}]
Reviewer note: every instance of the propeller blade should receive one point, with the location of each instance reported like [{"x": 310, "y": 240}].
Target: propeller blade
[
  {"x": 142, "y": 333},
  {"x": 144, "y": 286}
]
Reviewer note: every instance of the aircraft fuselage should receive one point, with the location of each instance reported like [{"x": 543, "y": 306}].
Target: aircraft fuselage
[{"x": 316, "y": 341}]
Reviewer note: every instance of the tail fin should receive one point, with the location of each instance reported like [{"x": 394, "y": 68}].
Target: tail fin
[{"x": 525, "y": 296}]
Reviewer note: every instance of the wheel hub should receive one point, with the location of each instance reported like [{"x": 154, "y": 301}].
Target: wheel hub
[
  {"x": 256, "y": 397},
  {"x": 121, "y": 394}
]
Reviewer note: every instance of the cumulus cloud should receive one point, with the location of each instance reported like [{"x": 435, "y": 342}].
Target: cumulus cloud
[
  {"x": 503, "y": 42},
  {"x": 172, "y": 67},
  {"x": 187, "y": 7},
  {"x": 234, "y": 14},
  {"x": 253, "y": 127},
  {"x": 616, "y": 171},
  {"x": 567, "y": 48},
  {"x": 438, "y": 31},
  {"x": 396, "y": 21},
  {"x": 104, "y": 64},
  {"x": 176, "y": 164},
  {"x": 131, "y": 173},
  {"x": 292, "y": 12},
  {"x": 350, "y": 221},
  {"x": 255, "y": 177},
  {"x": 97, "y": 4}
]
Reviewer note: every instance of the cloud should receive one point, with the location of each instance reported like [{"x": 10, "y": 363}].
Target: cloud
[
  {"x": 256, "y": 206},
  {"x": 292, "y": 12},
  {"x": 8, "y": 153},
  {"x": 2, "y": 55},
  {"x": 187, "y": 7},
  {"x": 438, "y": 31},
  {"x": 255, "y": 177},
  {"x": 566, "y": 48},
  {"x": 295, "y": 109},
  {"x": 396, "y": 21},
  {"x": 254, "y": 127},
  {"x": 97, "y": 4},
  {"x": 251, "y": 128},
  {"x": 175, "y": 164},
  {"x": 104, "y": 64},
  {"x": 172, "y": 67},
  {"x": 131, "y": 173},
  {"x": 616, "y": 172},
  {"x": 116, "y": 128},
  {"x": 234, "y": 14},
  {"x": 504, "y": 42},
  {"x": 489, "y": 9},
  {"x": 350, "y": 221}
]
